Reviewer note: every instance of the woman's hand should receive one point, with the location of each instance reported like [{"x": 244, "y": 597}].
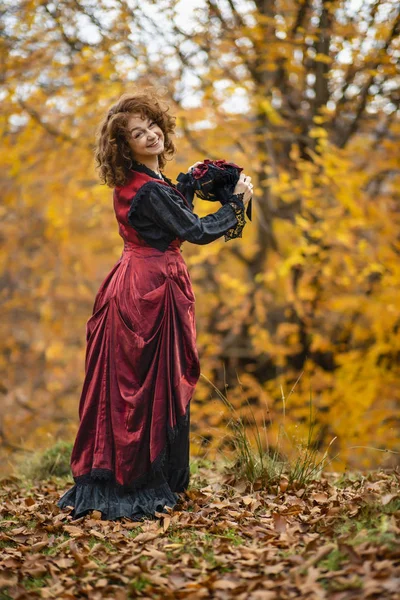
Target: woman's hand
[
  {"x": 245, "y": 186},
  {"x": 195, "y": 165}
]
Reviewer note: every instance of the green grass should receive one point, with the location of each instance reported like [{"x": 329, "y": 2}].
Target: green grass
[
  {"x": 101, "y": 564},
  {"x": 45, "y": 464},
  {"x": 334, "y": 560},
  {"x": 333, "y": 585},
  {"x": 92, "y": 541},
  {"x": 175, "y": 538},
  {"x": 35, "y": 583},
  {"x": 53, "y": 551},
  {"x": 32, "y": 524},
  {"x": 7, "y": 543},
  {"x": 139, "y": 584},
  {"x": 348, "y": 479},
  {"x": 354, "y": 583},
  {"x": 371, "y": 524},
  {"x": 233, "y": 537},
  {"x": 260, "y": 462},
  {"x": 132, "y": 533},
  {"x": 209, "y": 557},
  {"x": 197, "y": 463}
]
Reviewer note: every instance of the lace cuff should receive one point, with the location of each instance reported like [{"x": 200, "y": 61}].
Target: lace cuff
[{"x": 237, "y": 204}]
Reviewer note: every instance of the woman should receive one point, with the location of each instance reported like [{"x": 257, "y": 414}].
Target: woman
[{"x": 131, "y": 453}]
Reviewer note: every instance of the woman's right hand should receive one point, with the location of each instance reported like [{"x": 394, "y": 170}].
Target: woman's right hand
[{"x": 245, "y": 186}]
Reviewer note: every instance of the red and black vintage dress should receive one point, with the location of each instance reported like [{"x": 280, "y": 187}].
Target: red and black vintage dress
[{"x": 131, "y": 453}]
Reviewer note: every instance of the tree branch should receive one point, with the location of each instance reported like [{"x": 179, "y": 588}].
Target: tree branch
[
  {"x": 354, "y": 124},
  {"x": 49, "y": 128}
]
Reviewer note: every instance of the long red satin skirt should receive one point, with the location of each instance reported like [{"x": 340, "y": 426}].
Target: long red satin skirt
[{"x": 141, "y": 367}]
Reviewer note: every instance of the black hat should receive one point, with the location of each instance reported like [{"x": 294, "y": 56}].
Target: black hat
[{"x": 211, "y": 180}]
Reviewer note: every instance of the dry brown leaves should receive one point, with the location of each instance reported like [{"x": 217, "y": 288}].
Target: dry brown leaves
[{"x": 329, "y": 541}]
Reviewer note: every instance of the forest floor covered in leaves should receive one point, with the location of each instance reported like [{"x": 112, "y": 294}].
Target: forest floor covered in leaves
[{"x": 337, "y": 539}]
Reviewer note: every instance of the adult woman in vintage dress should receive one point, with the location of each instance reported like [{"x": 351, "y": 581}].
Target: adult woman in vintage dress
[{"x": 131, "y": 453}]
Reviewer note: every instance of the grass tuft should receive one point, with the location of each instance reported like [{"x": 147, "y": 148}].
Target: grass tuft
[
  {"x": 44, "y": 464},
  {"x": 259, "y": 462},
  {"x": 334, "y": 560}
]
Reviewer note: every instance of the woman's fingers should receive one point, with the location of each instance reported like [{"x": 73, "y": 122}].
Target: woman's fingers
[
  {"x": 247, "y": 181},
  {"x": 195, "y": 165},
  {"x": 244, "y": 185}
]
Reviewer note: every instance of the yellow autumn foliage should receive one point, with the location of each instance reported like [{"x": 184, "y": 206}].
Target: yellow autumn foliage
[{"x": 307, "y": 301}]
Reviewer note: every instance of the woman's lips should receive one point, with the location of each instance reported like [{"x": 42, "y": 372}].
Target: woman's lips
[{"x": 153, "y": 145}]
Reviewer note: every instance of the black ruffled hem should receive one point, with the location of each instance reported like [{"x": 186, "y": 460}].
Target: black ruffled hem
[
  {"x": 114, "y": 504},
  {"x": 168, "y": 476}
]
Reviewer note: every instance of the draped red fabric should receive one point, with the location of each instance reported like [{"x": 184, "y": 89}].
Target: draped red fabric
[{"x": 142, "y": 363}]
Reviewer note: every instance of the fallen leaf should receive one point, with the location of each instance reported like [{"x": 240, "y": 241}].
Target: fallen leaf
[{"x": 279, "y": 522}]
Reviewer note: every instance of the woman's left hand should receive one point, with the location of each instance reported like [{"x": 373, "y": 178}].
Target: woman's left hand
[{"x": 195, "y": 165}]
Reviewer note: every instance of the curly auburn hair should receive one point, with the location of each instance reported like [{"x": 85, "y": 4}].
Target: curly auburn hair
[{"x": 112, "y": 152}]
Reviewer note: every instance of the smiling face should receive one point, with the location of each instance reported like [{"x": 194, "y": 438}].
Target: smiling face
[{"x": 145, "y": 138}]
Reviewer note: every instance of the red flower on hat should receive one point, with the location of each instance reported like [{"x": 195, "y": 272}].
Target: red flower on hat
[{"x": 202, "y": 168}]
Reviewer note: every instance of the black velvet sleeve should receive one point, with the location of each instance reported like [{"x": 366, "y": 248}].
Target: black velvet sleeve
[{"x": 165, "y": 208}]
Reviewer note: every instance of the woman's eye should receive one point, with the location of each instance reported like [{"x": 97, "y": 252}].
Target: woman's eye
[{"x": 140, "y": 133}]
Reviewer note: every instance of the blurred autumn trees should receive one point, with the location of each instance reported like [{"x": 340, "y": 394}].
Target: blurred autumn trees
[{"x": 305, "y": 96}]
